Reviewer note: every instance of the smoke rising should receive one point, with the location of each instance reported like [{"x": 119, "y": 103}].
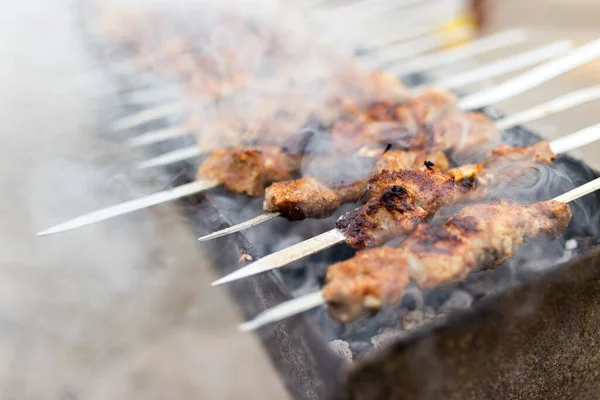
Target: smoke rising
[{"x": 120, "y": 310}]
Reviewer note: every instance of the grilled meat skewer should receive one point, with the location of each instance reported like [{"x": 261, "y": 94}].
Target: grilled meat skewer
[
  {"x": 483, "y": 235},
  {"x": 401, "y": 200},
  {"x": 464, "y": 133},
  {"x": 479, "y": 236},
  {"x": 248, "y": 171},
  {"x": 512, "y": 87},
  {"x": 309, "y": 197}
]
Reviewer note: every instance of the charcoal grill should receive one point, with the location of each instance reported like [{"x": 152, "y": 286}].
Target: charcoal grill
[{"x": 535, "y": 337}]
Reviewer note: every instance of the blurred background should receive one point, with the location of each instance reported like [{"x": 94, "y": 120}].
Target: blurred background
[{"x": 123, "y": 310}]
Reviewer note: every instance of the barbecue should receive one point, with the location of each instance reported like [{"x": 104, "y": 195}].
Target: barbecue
[
  {"x": 479, "y": 236},
  {"x": 309, "y": 197},
  {"x": 402, "y": 200},
  {"x": 430, "y": 159}
]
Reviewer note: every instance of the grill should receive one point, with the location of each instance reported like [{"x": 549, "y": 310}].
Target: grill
[{"x": 521, "y": 330}]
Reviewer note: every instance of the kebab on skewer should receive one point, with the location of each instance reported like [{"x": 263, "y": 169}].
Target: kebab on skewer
[
  {"x": 510, "y": 88},
  {"x": 249, "y": 170},
  {"x": 402, "y": 200},
  {"x": 516, "y": 62},
  {"x": 310, "y": 197},
  {"x": 573, "y": 141},
  {"x": 287, "y": 79},
  {"x": 479, "y": 236}
]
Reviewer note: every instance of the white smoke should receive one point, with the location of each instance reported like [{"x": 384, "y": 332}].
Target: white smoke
[{"x": 121, "y": 310}]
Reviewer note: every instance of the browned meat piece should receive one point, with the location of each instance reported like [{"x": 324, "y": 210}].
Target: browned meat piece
[
  {"x": 505, "y": 163},
  {"x": 306, "y": 197},
  {"x": 351, "y": 135},
  {"x": 403, "y": 125},
  {"x": 364, "y": 283},
  {"x": 248, "y": 171},
  {"x": 469, "y": 135},
  {"x": 400, "y": 201},
  {"x": 384, "y": 84},
  {"x": 309, "y": 197},
  {"x": 395, "y": 160},
  {"x": 388, "y": 111},
  {"x": 432, "y": 105},
  {"x": 504, "y": 166},
  {"x": 483, "y": 235}
]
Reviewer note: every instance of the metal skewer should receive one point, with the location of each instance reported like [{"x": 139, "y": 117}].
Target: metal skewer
[
  {"x": 159, "y": 135},
  {"x": 133, "y": 205},
  {"x": 477, "y": 47},
  {"x": 148, "y": 115},
  {"x": 506, "y": 65},
  {"x": 543, "y": 110},
  {"x": 534, "y": 77},
  {"x": 304, "y": 303},
  {"x": 153, "y": 94},
  {"x": 332, "y": 237},
  {"x": 510, "y": 88}
]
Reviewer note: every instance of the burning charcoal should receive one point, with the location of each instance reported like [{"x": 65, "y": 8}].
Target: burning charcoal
[
  {"x": 580, "y": 245},
  {"x": 358, "y": 329},
  {"x": 386, "y": 337},
  {"x": 359, "y": 347},
  {"x": 438, "y": 296},
  {"x": 412, "y": 299},
  {"x": 387, "y": 317},
  {"x": 459, "y": 300},
  {"x": 342, "y": 348},
  {"x": 485, "y": 283},
  {"x": 329, "y": 328},
  {"x": 417, "y": 319},
  {"x": 571, "y": 244}
]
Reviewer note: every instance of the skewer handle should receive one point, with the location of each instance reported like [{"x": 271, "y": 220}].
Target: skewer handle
[
  {"x": 133, "y": 205},
  {"x": 533, "y": 77},
  {"x": 171, "y": 157},
  {"x": 148, "y": 115},
  {"x": 240, "y": 227},
  {"x": 479, "y": 46},
  {"x": 575, "y": 140},
  {"x": 286, "y": 256},
  {"x": 580, "y": 191},
  {"x": 504, "y": 66},
  {"x": 555, "y": 106},
  {"x": 158, "y": 135},
  {"x": 284, "y": 310}
]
